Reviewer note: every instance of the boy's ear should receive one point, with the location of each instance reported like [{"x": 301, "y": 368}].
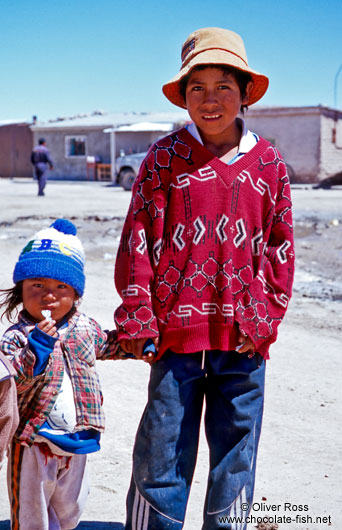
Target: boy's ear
[{"x": 248, "y": 92}]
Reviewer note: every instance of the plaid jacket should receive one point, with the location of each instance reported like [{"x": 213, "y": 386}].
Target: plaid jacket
[{"x": 80, "y": 346}]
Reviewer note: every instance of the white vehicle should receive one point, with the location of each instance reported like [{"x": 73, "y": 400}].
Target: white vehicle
[{"x": 127, "y": 168}]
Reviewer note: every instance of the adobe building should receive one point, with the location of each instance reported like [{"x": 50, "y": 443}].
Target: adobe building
[
  {"x": 309, "y": 138},
  {"x": 75, "y": 143},
  {"x": 16, "y": 141}
]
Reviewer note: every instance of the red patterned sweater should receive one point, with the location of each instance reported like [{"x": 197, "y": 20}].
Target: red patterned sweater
[{"x": 206, "y": 249}]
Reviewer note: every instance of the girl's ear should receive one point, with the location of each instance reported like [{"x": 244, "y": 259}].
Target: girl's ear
[
  {"x": 77, "y": 300},
  {"x": 77, "y": 296},
  {"x": 247, "y": 95}
]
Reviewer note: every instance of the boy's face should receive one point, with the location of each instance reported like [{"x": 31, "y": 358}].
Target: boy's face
[
  {"x": 213, "y": 100},
  {"x": 46, "y": 293}
]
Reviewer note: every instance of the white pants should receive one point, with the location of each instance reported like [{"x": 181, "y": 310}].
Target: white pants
[{"x": 46, "y": 493}]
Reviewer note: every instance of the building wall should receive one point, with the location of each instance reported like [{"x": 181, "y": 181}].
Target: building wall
[
  {"x": 73, "y": 168},
  {"x": 303, "y": 136},
  {"x": 296, "y": 136},
  {"x": 98, "y": 145},
  {"x": 16, "y": 141},
  {"x": 136, "y": 142},
  {"x": 331, "y": 153}
]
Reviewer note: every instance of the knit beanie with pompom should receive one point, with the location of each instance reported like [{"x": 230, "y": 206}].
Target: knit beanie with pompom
[{"x": 54, "y": 252}]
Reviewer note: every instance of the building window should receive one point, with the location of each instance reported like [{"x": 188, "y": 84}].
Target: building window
[{"x": 75, "y": 146}]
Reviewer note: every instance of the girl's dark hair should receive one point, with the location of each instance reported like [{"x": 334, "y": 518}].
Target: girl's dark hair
[
  {"x": 10, "y": 299},
  {"x": 242, "y": 79}
]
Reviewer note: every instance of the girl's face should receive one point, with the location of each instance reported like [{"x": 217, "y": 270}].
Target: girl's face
[
  {"x": 213, "y": 100},
  {"x": 46, "y": 293}
]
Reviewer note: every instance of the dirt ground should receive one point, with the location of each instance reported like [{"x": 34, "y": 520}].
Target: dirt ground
[{"x": 299, "y": 464}]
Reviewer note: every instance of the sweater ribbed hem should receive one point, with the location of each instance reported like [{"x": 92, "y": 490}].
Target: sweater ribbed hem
[{"x": 202, "y": 337}]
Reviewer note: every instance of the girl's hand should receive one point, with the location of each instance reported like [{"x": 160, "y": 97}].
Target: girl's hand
[
  {"x": 136, "y": 346},
  {"x": 48, "y": 326},
  {"x": 246, "y": 345}
]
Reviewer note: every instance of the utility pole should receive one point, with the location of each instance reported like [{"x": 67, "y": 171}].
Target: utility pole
[
  {"x": 335, "y": 86},
  {"x": 333, "y": 139}
]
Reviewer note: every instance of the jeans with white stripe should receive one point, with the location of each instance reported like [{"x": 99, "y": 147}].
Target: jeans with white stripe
[{"x": 166, "y": 444}]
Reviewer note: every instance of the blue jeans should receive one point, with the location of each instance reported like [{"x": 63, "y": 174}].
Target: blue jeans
[{"x": 166, "y": 444}]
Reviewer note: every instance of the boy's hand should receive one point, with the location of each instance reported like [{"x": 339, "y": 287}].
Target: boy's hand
[
  {"x": 246, "y": 345},
  {"x": 136, "y": 346},
  {"x": 48, "y": 326}
]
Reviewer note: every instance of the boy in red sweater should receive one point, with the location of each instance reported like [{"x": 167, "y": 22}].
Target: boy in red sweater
[{"x": 205, "y": 268}]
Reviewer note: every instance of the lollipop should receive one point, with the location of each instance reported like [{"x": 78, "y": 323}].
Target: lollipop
[{"x": 46, "y": 314}]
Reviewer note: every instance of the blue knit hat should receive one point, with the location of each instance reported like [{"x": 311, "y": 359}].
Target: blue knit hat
[{"x": 55, "y": 252}]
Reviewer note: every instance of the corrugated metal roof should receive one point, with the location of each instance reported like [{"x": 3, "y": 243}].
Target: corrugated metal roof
[
  {"x": 263, "y": 111},
  {"x": 143, "y": 126},
  {"x": 13, "y": 122},
  {"x": 112, "y": 120}
]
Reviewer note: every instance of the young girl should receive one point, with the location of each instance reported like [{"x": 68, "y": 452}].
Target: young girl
[{"x": 53, "y": 348}]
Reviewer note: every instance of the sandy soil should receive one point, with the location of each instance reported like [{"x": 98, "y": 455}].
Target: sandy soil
[{"x": 299, "y": 460}]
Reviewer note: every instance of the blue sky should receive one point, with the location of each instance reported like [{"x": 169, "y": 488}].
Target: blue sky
[{"x": 60, "y": 58}]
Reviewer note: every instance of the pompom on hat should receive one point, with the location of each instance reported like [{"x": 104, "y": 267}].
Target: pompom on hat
[
  {"x": 54, "y": 252},
  {"x": 211, "y": 46}
]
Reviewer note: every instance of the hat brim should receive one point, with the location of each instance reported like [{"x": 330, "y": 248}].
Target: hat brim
[{"x": 171, "y": 89}]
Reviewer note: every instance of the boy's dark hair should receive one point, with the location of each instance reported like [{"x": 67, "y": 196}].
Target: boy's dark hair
[
  {"x": 10, "y": 300},
  {"x": 41, "y": 141},
  {"x": 242, "y": 78}
]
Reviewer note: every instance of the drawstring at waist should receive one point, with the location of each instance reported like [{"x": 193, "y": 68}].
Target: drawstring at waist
[{"x": 203, "y": 360}]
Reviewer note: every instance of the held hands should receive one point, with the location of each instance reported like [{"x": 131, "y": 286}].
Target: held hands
[
  {"x": 48, "y": 326},
  {"x": 136, "y": 346},
  {"x": 246, "y": 345}
]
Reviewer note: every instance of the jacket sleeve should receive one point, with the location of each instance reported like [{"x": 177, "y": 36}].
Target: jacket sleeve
[
  {"x": 8, "y": 414},
  {"x": 106, "y": 343},
  {"x": 138, "y": 253},
  {"x": 264, "y": 303},
  {"x": 17, "y": 349},
  {"x": 42, "y": 346}
]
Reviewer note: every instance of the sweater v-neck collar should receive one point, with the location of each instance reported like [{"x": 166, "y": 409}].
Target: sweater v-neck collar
[{"x": 228, "y": 171}]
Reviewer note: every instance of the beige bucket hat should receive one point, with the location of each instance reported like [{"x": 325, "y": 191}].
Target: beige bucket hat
[{"x": 214, "y": 46}]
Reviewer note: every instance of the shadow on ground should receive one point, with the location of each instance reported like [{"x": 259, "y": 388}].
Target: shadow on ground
[
  {"x": 99, "y": 525},
  {"x": 84, "y": 525}
]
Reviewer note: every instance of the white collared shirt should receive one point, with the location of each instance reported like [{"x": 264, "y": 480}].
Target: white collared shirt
[{"x": 247, "y": 142}]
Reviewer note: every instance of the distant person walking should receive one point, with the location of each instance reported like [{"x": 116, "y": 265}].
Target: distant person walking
[{"x": 40, "y": 159}]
